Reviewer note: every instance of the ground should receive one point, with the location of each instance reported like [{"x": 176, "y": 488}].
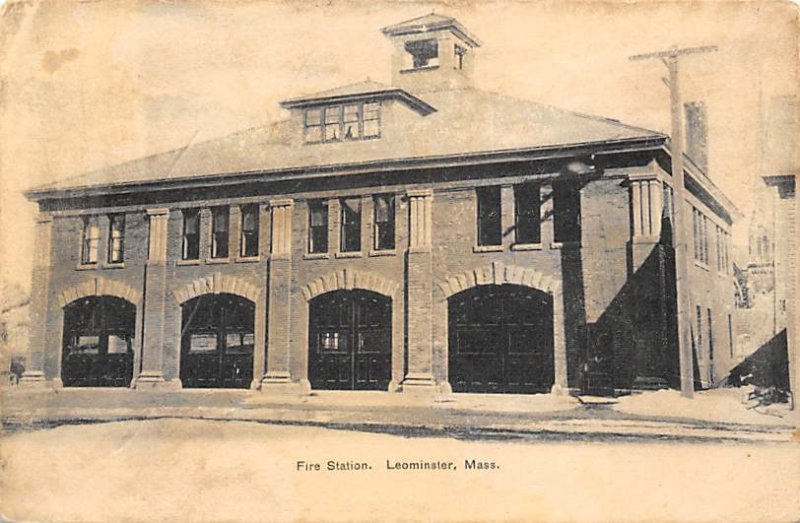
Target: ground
[
  {"x": 196, "y": 470},
  {"x": 122, "y": 455}
]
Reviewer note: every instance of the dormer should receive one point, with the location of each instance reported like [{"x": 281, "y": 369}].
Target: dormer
[
  {"x": 431, "y": 53},
  {"x": 352, "y": 113}
]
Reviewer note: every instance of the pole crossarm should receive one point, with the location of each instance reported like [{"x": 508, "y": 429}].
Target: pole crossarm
[{"x": 674, "y": 52}]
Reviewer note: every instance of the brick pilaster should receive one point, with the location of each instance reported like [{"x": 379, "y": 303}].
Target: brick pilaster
[
  {"x": 419, "y": 288},
  {"x": 260, "y": 349},
  {"x": 155, "y": 277},
  {"x": 560, "y": 385},
  {"x": 278, "y": 375},
  {"x": 34, "y": 365}
]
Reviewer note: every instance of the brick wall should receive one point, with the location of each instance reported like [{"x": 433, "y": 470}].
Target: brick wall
[{"x": 593, "y": 275}]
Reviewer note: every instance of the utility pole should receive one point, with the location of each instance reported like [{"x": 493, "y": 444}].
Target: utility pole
[{"x": 670, "y": 58}]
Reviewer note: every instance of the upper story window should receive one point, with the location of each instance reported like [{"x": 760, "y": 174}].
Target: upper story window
[
  {"x": 699, "y": 313},
  {"x": 351, "y": 225},
  {"x": 317, "y": 226},
  {"x": 383, "y": 206},
  {"x": 710, "y": 335},
  {"x": 220, "y": 220},
  {"x": 424, "y": 53},
  {"x": 343, "y": 122},
  {"x": 724, "y": 256},
  {"x": 116, "y": 238},
  {"x": 250, "y": 227},
  {"x": 489, "y": 216},
  {"x": 190, "y": 249},
  {"x": 566, "y": 213},
  {"x": 700, "y": 234},
  {"x": 527, "y": 213},
  {"x": 720, "y": 248},
  {"x": 90, "y": 240},
  {"x": 333, "y": 123}
]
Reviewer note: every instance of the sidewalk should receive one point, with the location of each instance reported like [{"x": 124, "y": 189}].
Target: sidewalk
[{"x": 540, "y": 416}]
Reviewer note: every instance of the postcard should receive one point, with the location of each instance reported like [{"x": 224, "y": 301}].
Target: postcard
[{"x": 399, "y": 261}]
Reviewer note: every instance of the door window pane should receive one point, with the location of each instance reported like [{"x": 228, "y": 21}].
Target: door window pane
[
  {"x": 371, "y": 342},
  {"x": 329, "y": 341},
  {"x": 118, "y": 344},
  {"x": 86, "y": 344},
  {"x": 239, "y": 342},
  {"x": 205, "y": 342}
]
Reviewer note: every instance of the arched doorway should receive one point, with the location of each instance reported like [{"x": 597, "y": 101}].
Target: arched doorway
[
  {"x": 501, "y": 340},
  {"x": 98, "y": 342},
  {"x": 217, "y": 341},
  {"x": 350, "y": 341}
]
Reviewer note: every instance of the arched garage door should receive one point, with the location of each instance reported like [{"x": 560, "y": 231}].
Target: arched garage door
[
  {"x": 217, "y": 342},
  {"x": 501, "y": 340},
  {"x": 98, "y": 342},
  {"x": 350, "y": 341}
]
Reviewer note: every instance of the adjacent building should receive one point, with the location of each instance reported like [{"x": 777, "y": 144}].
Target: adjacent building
[{"x": 423, "y": 236}]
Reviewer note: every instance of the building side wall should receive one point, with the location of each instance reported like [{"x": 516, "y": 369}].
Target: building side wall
[{"x": 710, "y": 287}]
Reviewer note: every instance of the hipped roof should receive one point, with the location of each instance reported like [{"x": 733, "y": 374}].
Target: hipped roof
[{"x": 465, "y": 123}]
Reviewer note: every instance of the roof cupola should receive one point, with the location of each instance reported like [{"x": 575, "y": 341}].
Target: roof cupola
[{"x": 431, "y": 53}]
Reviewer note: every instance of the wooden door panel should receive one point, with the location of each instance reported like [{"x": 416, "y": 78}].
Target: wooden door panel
[
  {"x": 350, "y": 341},
  {"x": 500, "y": 340}
]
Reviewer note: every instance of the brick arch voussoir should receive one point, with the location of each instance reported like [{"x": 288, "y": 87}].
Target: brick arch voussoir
[
  {"x": 349, "y": 279},
  {"x": 499, "y": 274},
  {"x": 217, "y": 284},
  {"x": 99, "y": 286}
]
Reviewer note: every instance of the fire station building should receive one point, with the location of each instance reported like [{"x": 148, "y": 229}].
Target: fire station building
[{"x": 423, "y": 236}]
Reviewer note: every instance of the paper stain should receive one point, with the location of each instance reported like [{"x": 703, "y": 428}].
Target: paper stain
[
  {"x": 796, "y": 435},
  {"x": 53, "y": 60}
]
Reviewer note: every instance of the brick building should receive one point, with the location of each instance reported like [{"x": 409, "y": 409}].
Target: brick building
[{"x": 418, "y": 236}]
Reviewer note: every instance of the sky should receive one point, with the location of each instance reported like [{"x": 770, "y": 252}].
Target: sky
[{"x": 90, "y": 84}]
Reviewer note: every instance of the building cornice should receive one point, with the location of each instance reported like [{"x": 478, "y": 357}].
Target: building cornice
[
  {"x": 360, "y": 168},
  {"x": 706, "y": 190}
]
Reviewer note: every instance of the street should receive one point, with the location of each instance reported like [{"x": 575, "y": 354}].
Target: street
[{"x": 196, "y": 470}]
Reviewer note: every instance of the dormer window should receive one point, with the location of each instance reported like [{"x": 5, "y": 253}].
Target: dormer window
[
  {"x": 343, "y": 122},
  {"x": 333, "y": 123},
  {"x": 424, "y": 53}
]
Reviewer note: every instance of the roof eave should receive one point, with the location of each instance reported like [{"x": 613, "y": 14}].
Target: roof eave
[
  {"x": 412, "y": 101},
  {"x": 452, "y": 24},
  {"x": 654, "y": 142}
]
